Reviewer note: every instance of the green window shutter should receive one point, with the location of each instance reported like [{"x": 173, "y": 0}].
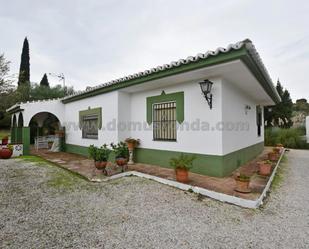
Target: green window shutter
[
  {"x": 89, "y": 112},
  {"x": 178, "y": 97}
]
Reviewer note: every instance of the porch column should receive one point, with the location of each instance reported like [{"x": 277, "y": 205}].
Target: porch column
[
  {"x": 19, "y": 134},
  {"x": 26, "y": 140},
  {"x": 13, "y": 137}
]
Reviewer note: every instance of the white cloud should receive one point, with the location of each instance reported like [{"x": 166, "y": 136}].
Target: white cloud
[{"x": 96, "y": 41}]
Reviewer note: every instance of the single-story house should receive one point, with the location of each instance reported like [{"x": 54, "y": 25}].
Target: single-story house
[{"x": 209, "y": 105}]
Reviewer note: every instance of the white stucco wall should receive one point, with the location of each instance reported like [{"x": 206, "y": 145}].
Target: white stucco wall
[
  {"x": 109, "y": 104},
  {"x": 196, "y": 110},
  {"x": 234, "y": 114},
  {"x": 55, "y": 107}
]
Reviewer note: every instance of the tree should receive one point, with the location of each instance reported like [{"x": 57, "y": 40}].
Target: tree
[
  {"x": 280, "y": 114},
  {"x": 44, "y": 81},
  {"x": 38, "y": 92},
  {"x": 6, "y": 90},
  {"x": 5, "y": 83},
  {"x": 24, "y": 70}
]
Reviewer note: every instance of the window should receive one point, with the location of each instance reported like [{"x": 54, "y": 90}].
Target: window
[
  {"x": 164, "y": 121},
  {"x": 90, "y": 126},
  {"x": 259, "y": 120}
]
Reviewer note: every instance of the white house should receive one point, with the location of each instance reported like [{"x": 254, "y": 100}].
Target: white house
[{"x": 167, "y": 110}]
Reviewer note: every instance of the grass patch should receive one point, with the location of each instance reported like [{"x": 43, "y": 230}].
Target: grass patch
[
  {"x": 279, "y": 176},
  {"x": 60, "y": 177}
]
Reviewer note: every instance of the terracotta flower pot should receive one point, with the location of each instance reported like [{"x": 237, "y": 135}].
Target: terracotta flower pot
[
  {"x": 100, "y": 165},
  {"x": 5, "y": 153},
  {"x": 272, "y": 156},
  {"x": 5, "y": 141},
  {"x": 182, "y": 175},
  {"x": 277, "y": 150},
  {"x": 131, "y": 146},
  {"x": 242, "y": 185},
  {"x": 264, "y": 169},
  {"x": 121, "y": 161}
]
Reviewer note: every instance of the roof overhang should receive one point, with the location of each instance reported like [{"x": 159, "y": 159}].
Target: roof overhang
[
  {"x": 14, "y": 109},
  {"x": 243, "y": 51}
]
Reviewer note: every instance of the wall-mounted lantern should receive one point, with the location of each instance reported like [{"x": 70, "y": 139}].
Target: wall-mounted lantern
[
  {"x": 247, "y": 108},
  {"x": 206, "y": 86}
]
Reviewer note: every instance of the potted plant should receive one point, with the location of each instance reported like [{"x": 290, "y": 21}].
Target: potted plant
[
  {"x": 273, "y": 156},
  {"x": 121, "y": 153},
  {"x": 93, "y": 153},
  {"x": 276, "y": 150},
  {"x": 132, "y": 143},
  {"x": 5, "y": 140},
  {"x": 103, "y": 155},
  {"x": 182, "y": 165},
  {"x": 6, "y": 151},
  {"x": 265, "y": 167},
  {"x": 242, "y": 183}
]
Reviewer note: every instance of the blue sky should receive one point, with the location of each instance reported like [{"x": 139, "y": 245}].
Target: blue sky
[{"x": 94, "y": 41}]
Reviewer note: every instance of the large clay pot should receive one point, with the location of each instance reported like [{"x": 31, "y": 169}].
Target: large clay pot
[
  {"x": 121, "y": 161},
  {"x": 100, "y": 165},
  {"x": 131, "y": 146},
  {"x": 242, "y": 185},
  {"x": 5, "y": 153},
  {"x": 182, "y": 175},
  {"x": 265, "y": 169},
  {"x": 272, "y": 156}
]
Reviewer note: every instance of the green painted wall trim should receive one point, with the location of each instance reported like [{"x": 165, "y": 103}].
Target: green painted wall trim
[
  {"x": 82, "y": 150},
  {"x": 178, "y": 97},
  {"x": 77, "y": 149},
  {"x": 211, "y": 165},
  {"x": 19, "y": 135},
  {"x": 13, "y": 135},
  {"x": 26, "y": 140},
  {"x": 210, "y": 61},
  {"x": 93, "y": 111}
]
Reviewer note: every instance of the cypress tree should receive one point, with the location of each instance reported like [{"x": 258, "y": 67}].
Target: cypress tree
[
  {"x": 44, "y": 81},
  {"x": 24, "y": 70}
]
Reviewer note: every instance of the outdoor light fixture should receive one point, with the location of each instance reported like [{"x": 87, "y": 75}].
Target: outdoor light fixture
[{"x": 206, "y": 86}]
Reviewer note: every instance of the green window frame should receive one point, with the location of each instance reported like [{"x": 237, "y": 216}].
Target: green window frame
[
  {"x": 177, "y": 97},
  {"x": 90, "y": 122}
]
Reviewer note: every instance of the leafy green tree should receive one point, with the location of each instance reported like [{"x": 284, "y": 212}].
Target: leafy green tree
[
  {"x": 24, "y": 70},
  {"x": 5, "y": 83},
  {"x": 44, "y": 81},
  {"x": 280, "y": 115},
  {"x": 38, "y": 92},
  {"x": 6, "y": 90}
]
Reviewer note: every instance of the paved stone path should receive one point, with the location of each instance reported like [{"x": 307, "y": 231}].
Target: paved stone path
[{"x": 42, "y": 206}]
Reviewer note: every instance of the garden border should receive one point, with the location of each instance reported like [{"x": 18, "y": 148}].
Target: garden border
[{"x": 209, "y": 193}]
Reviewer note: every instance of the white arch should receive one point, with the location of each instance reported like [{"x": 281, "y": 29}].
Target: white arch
[{"x": 54, "y": 107}]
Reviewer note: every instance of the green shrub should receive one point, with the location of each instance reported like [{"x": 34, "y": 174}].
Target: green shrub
[{"x": 290, "y": 138}]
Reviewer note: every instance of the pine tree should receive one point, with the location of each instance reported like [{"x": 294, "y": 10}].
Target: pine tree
[
  {"x": 24, "y": 70},
  {"x": 44, "y": 81},
  {"x": 280, "y": 114}
]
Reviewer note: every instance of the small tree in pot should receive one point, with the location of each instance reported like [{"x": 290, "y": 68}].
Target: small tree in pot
[
  {"x": 182, "y": 165},
  {"x": 94, "y": 154},
  {"x": 121, "y": 153},
  {"x": 103, "y": 155}
]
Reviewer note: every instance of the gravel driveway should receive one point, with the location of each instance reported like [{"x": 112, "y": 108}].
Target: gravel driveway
[{"x": 42, "y": 206}]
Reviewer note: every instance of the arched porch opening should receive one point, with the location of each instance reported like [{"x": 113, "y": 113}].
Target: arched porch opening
[{"x": 44, "y": 126}]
